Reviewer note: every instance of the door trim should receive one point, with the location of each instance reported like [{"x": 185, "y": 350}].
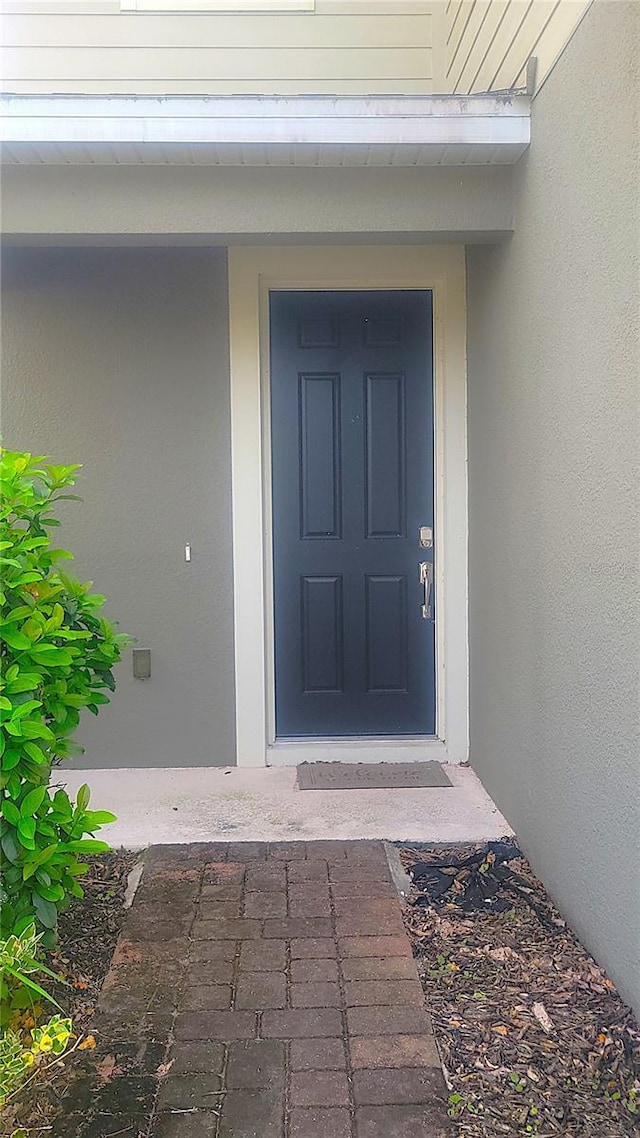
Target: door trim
[{"x": 253, "y": 272}]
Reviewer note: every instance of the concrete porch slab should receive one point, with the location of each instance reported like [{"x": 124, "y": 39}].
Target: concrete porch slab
[{"x": 205, "y": 804}]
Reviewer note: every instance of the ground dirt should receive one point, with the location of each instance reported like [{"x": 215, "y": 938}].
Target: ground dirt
[
  {"x": 534, "y": 1037},
  {"x": 87, "y": 936}
]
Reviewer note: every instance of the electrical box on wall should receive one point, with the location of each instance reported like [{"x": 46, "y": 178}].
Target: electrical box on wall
[{"x": 142, "y": 663}]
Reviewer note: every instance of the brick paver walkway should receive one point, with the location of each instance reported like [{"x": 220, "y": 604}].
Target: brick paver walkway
[{"x": 262, "y": 992}]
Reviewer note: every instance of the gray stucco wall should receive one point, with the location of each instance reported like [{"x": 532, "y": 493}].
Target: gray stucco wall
[
  {"x": 554, "y": 495},
  {"x": 119, "y": 359},
  {"x": 256, "y": 204}
]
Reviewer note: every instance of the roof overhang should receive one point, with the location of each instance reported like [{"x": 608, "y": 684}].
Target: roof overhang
[{"x": 423, "y": 130}]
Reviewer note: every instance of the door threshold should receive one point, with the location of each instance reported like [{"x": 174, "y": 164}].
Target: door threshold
[{"x": 364, "y": 749}]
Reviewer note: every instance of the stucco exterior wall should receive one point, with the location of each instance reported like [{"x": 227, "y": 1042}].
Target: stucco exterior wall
[
  {"x": 255, "y": 205},
  {"x": 553, "y": 372},
  {"x": 119, "y": 359}
]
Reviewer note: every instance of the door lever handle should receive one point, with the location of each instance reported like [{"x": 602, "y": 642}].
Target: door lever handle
[{"x": 426, "y": 580}]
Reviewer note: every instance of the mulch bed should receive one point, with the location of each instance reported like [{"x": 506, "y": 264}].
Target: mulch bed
[
  {"x": 533, "y": 1035},
  {"x": 87, "y": 933}
]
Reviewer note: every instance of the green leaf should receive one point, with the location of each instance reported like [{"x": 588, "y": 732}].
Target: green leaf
[
  {"x": 57, "y": 616},
  {"x": 33, "y": 730},
  {"x": 60, "y": 555},
  {"x": 78, "y": 867},
  {"x": 32, "y": 802},
  {"x": 16, "y": 614},
  {"x": 10, "y": 812},
  {"x": 23, "y": 924},
  {"x": 26, "y": 829},
  {"x": 16, "y": 640},
  {"x": 30, "y": 866},
  {"x": 51, "y": 892},
  {"x": 35, "y": 752},
  {"x": 9, "y": 847},
  {"x": 88, "y": 846},
  {"x": 71, "y": 749},
  {"x": 83, "y": 796},
  {"x": 24, "y": 709},
  {"x": 62, "y": 475},
  {"x": 24, "y": 681},
  {"x": 95, "y": 818},
  {"x": 62, "y": 802},
  {"x": 31, "y": 983},
  {"x": 14, "y": 785},
  {"x": 48, "y": 654},
  {"x": 46, "y": 911}
]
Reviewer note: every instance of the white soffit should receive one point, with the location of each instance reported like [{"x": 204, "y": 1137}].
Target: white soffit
[{"x": 400, "y": 130}]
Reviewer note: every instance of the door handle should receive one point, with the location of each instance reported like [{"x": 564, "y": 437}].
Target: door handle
[{"x": 426, "y": 580}]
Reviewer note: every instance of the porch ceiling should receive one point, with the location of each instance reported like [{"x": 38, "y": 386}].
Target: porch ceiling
[{"x": 260, "y": 131}]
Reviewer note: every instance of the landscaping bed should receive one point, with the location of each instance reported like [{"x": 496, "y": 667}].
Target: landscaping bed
[
  {"x": 87, "y": 934},
  {"x": 534, "y": 1037}
]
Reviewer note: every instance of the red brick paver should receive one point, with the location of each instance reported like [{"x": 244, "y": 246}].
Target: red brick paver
[{"x": 263, "y": 990}]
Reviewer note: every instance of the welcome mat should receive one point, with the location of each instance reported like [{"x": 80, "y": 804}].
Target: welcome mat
[{"x": 369, "y": 776}]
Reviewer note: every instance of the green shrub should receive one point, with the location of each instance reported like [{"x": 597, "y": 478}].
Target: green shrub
[
  {"x": 23, "y": 1045},
  {"x": 57, "y": 654},
  {"x": 18, "y": 990}
]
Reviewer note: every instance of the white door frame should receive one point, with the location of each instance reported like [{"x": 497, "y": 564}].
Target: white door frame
[{"x": 253, "y": 272}]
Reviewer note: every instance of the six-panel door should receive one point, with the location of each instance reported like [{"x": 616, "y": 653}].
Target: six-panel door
[{"x": 352, "y": 470}]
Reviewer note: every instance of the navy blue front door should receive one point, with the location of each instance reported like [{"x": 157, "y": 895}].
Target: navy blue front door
[{"x": 352, "y": 462}]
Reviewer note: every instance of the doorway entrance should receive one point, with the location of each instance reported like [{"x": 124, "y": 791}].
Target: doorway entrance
[{"x": 256, "y": 273}]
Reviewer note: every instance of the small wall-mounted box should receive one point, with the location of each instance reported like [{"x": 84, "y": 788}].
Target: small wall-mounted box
[{"x": 142, "y": 663}]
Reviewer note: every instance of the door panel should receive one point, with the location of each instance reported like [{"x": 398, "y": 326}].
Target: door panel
[
  {"x": 352, "y": 464},
  {"x": 385, "y": 455},
  {"x": 322, "y": 625},
  {"x": 320, "y": 476},
  {"x": 386, "y": 634}
]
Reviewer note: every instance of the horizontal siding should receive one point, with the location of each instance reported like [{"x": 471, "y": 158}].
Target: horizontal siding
[
  {"x": 228, "y": 64},
  {"x": 322, "y": 7},
  {"x": 197, "y": 30},
  {"x": 283, "y": 87},
  {"x": 488, "y": 42},
  {"x": 384, "y": 50}
]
